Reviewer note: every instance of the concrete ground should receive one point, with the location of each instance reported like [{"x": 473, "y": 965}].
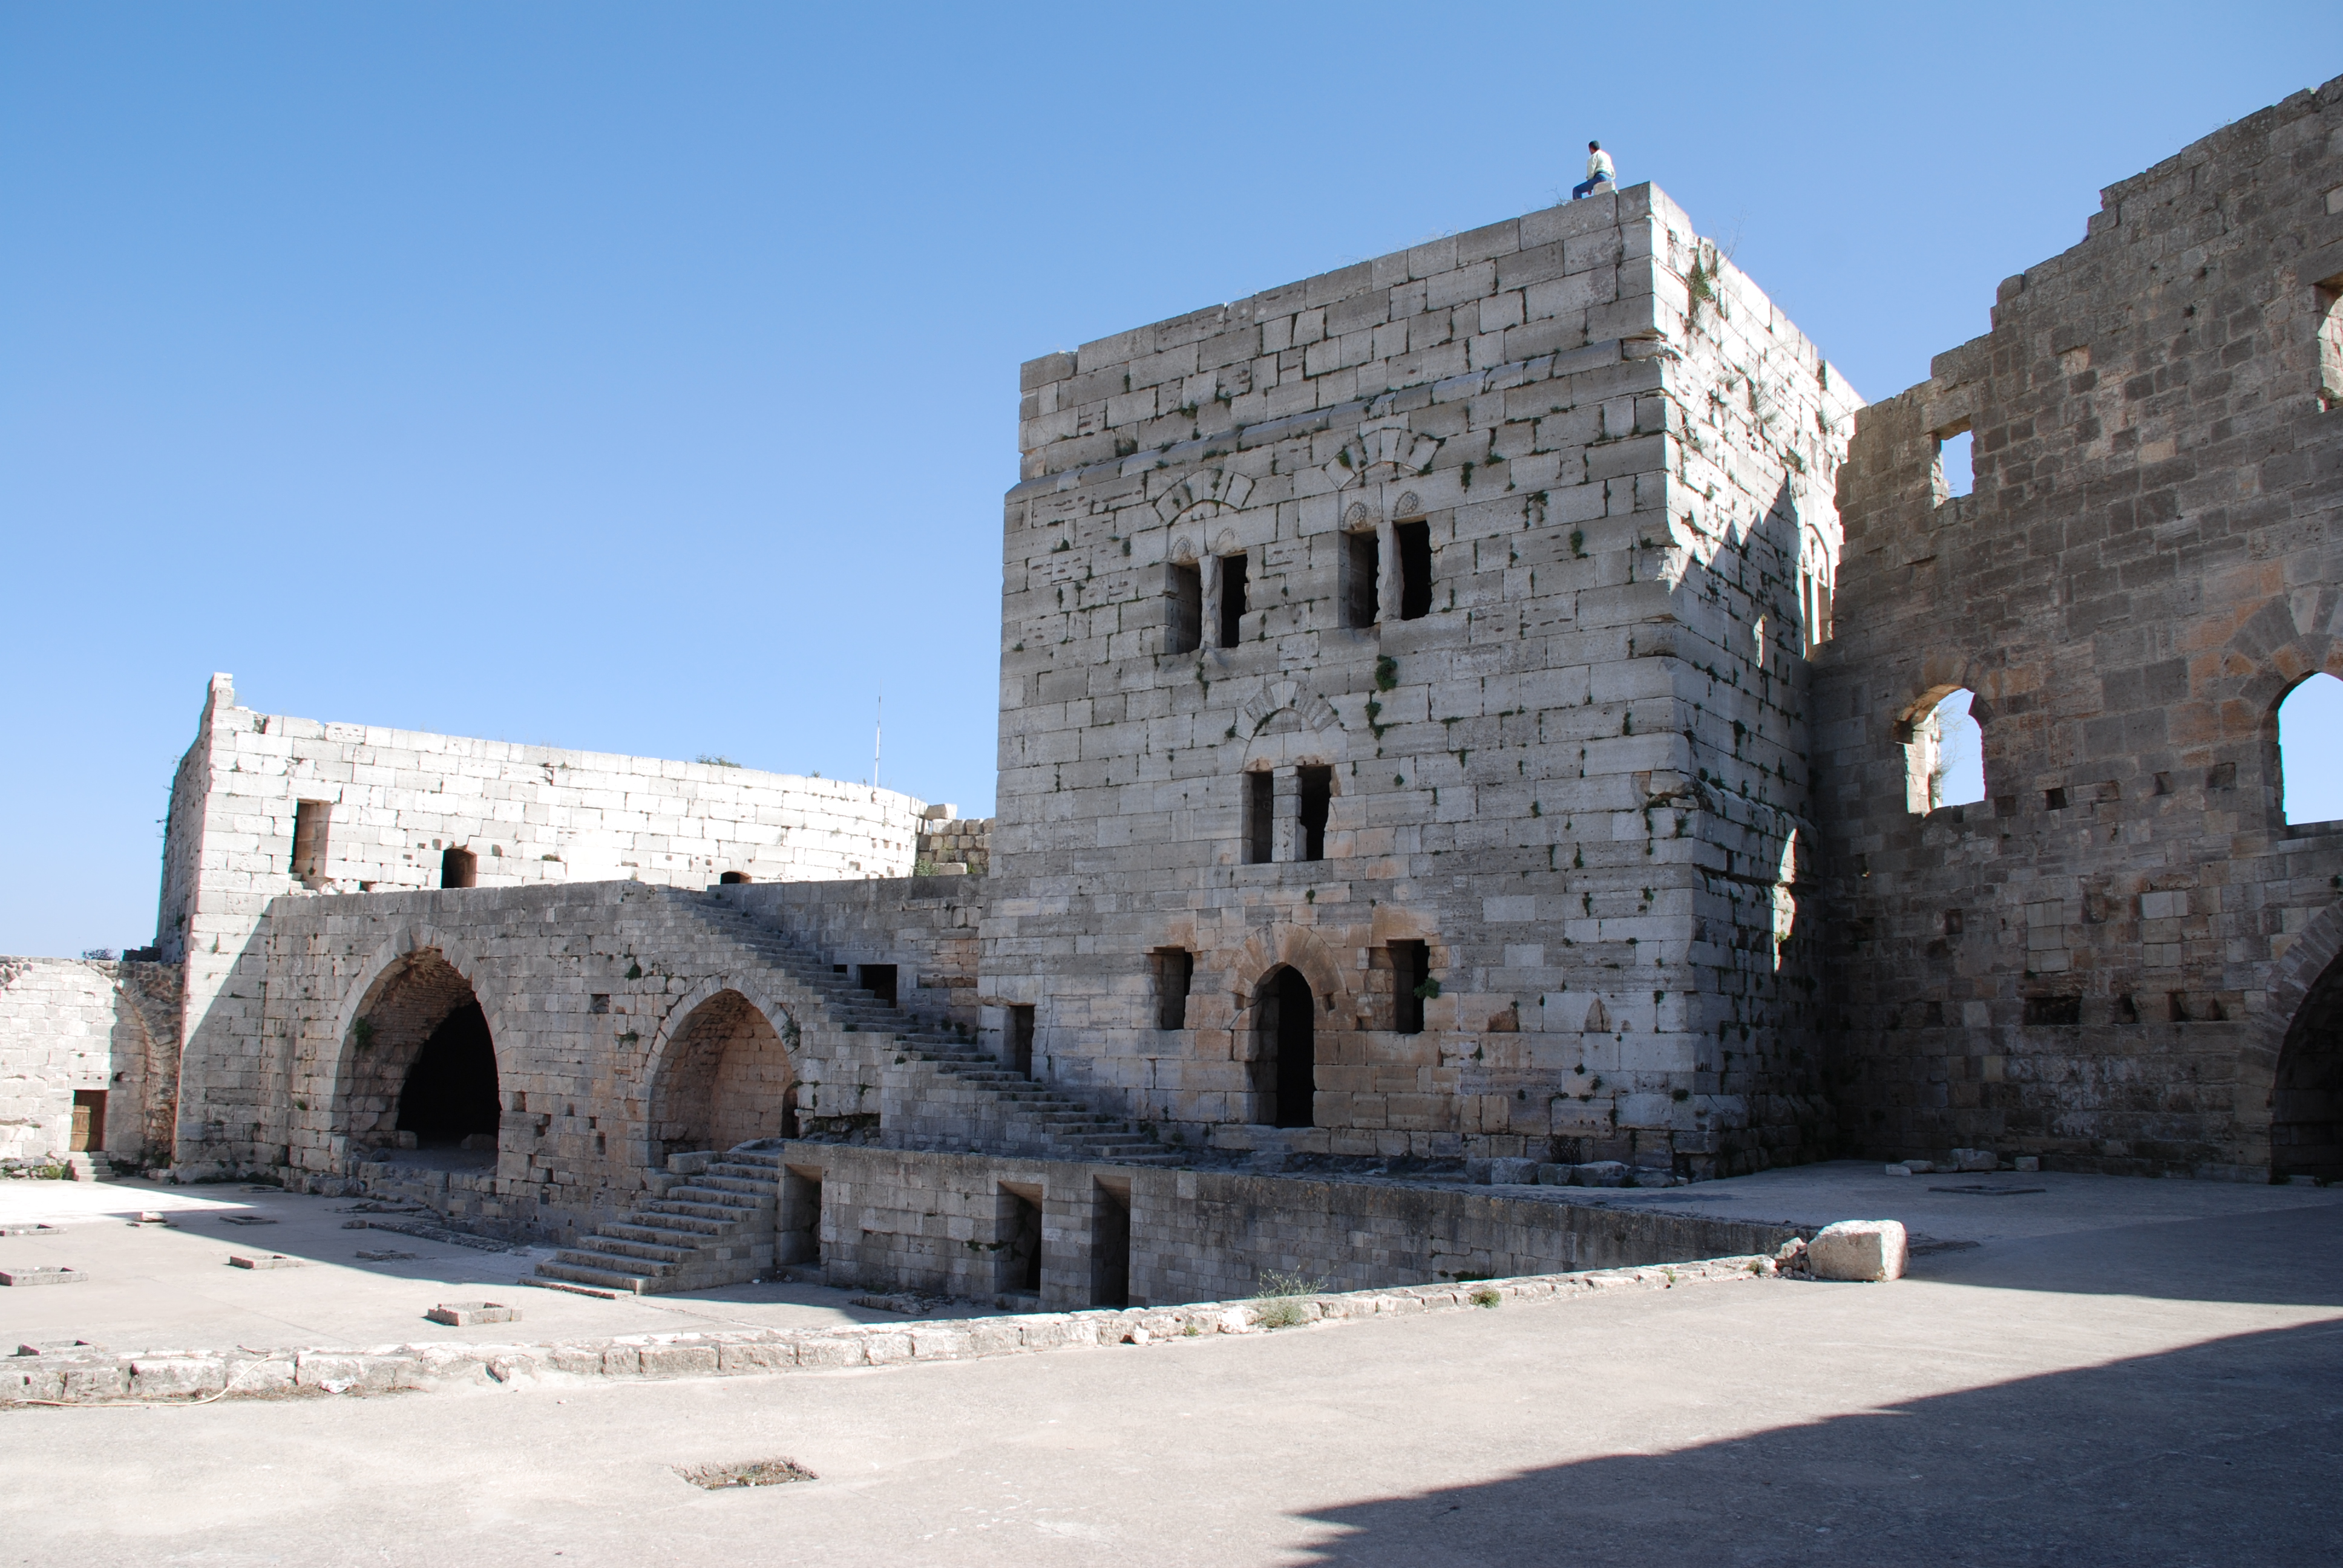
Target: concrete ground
[
  {"x": 171, "y": 1285},
  {"x": 2138, "y": 1374}
]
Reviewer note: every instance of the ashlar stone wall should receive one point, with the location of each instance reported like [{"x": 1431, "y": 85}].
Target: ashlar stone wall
[
  {"x": 1535, "y": 525},
  {"x": 71, "y": 1026},
  {"x": 2101, "y": 961}
]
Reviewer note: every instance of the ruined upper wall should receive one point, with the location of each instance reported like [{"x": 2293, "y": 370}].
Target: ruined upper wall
[{"x": 2092, "y": 963}]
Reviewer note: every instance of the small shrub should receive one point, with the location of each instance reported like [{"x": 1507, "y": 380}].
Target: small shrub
[
  {"x": 1281, "y": 1312},
  {"x": 1488, "y": 1296}
]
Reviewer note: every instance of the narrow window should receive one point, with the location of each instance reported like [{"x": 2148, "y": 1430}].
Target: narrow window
[
  {"x": 1259, "y": 807},
  {"x": 2330, "y": 343},
  {"x": 1183, "y": 608},
  {"x": 1021, "y": 1039},
  {"x": 1411, "y": 965},
  {"x": 1019, "y": 1257},
  {"x": 1955, "y": 474},
  {"x": 1943, "y": 751},
  {"x": 1232, "y": 601},
  {"x": 1175, "y": 969},
  {"x": 1415, "y": 569},
  {"x": 458, "y": 869},
  {"x": 309, "y": 824},
  {"x": 878, "y": 980},
  {"x": 1110, "y": 1244},
  {"x": 1361, "y": 558},
  {"x": 1317, "y": 797},
  {"x": 2311, "y": 751}
]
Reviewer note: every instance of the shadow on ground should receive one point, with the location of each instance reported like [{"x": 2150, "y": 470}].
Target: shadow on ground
[{"x": 2223, "y": 1454}]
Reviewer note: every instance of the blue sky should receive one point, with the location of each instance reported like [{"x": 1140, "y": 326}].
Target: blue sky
[{"x": 644, "y": 378}]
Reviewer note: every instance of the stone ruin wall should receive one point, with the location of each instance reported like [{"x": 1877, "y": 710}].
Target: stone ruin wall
[
  {"x": 75, "y": 1025},
  {"x": 2097, "y": 963},
  {"x": 530, "y": 815},
  {"x": 1580, "y": 778}
]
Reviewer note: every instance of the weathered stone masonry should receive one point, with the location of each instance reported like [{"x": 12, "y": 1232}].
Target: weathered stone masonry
[{"x": 2101, "y": 963}]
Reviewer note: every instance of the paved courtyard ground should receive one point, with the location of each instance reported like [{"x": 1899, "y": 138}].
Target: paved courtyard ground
[{"x": 2118, "y": 1373}]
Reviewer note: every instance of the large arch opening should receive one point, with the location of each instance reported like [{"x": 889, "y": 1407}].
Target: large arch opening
[
  {"x": 422, "y": 1084},
  {"x": 725, "y": 1080},
  {"x": 2311, "y": 751},
  {"x": 2307, "y": 1100},
  {"x": 1285, "y": 1060}
]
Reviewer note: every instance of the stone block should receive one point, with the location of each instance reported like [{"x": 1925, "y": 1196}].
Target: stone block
[
  {"x": 43, "y": 1274},
  {"x": 1975, "y": 1159},
  {"x": 1859, "y": 1250},
  {"x": 464, "y": 1314}
]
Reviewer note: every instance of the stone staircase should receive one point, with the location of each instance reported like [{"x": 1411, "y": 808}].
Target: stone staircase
[
  {"x": 715, "y": 1227},
  {"x": 957, "y": 1096}
]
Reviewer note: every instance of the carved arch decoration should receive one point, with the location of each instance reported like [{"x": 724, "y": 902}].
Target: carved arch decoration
[
  {"x": 1203, "y": 492},
  {"x": 1377, "y": 457},
  {"x": 1283, "y": 725},
  {"x": 1297, "y": 948}
]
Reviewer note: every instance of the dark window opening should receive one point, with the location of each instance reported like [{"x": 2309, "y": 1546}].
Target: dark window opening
[
  {"x": 1109, "y": 1246},
  {"x": 1260, "y": 805},
  {"x": 1415, "y": 569},
  {"x": 1183, "y": 608},
  {"x": 1410, "y": 968},
  {"x": 878, "y": 980},
  {"x": 309, "y": 834},
  {"x": 1317, "y": 790},
  {"x": 450, "y": 1093},
  {"x": 798, "y": 1222},
  {"x": 1232, "y": 601},
  {"x": 1021, "y": 1039},
  {"x": 1020, "y": 1234},
  {"x": 1285, "y": 1068},
  {"x": 732, "y": 879},
  {"x": 458, "y": 869},
  {"x": 1175, "y": 969},
  {"x": 2307, "y": 1100},
  {"x": 2054, "y": 1011},
  {"x": 88, "y": 1121},
  {"x": 1361, "y": 558}
]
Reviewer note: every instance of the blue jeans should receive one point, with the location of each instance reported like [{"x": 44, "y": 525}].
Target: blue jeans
[{"x": 1586, "y": 187}]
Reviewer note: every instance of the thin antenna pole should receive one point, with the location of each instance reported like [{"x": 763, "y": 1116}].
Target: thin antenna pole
[{"x": 878, "y": 734}]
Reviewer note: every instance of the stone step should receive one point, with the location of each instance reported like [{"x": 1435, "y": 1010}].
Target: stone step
[
  {"x": 673, "y": 1207},
  {"x": 602, "y": 1242},
  {"x": 607, "y": 1279},
  {"x": 633, "y": 1229}
]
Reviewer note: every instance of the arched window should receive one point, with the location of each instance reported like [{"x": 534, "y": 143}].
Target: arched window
[
  {"x": 1945, "y": 755},
  {"x": 2311, "y": 751}
]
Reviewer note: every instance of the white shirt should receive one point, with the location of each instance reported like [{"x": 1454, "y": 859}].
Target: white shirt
[{"x": 1598, "y": 165}]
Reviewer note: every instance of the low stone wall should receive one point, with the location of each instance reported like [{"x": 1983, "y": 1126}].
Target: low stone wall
[
  {"x": 185, "y": 1377},
  {"x": 894, "y": 1218}
]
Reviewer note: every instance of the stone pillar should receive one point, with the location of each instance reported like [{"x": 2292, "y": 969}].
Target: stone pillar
[{"x": 1285, "y": 815}]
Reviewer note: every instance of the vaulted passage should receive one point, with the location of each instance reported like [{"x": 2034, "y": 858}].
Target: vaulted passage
[
  {"x": 1285, "y": 1069},
  {"x": 2306, "y": 1104},
  {"x": 450, "y": 1093},
  {"x": 419, "y": 1066},
  {"x": 726, "y": 1079}
]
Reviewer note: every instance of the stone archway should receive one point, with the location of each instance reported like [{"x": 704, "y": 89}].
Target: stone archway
[
  {"x": 419, "y": 1063},
  {"x": 724, "y": 1077},
  {"x": 2306, "y": 1095},
  {"x": 1285, "y": 1049}
]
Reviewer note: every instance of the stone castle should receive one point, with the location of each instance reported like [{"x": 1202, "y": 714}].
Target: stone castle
[{"x": 1478, "y": 706}]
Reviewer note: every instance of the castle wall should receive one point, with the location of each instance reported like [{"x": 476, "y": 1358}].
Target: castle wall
[
  {"x": 394, "y": 802},
  {"x": 71, "y": 1026},
  {"x": 1578, "y": 776},
  {"x": 2099, "y": 963}
]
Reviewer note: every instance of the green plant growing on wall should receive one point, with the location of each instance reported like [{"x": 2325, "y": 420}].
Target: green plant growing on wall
[
  {"x": 362, "y": 1033},
  {"x": 1386, "y": 673}
]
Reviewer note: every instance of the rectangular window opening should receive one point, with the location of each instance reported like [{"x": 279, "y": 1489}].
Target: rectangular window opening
[
  {"x": 1019, "y": 1257},
  {"x": 1411, "y": 969},
  {"x": 878, "y": 980},
  {"x": 1317, "y": 790},
  {"x": 798, "y": 1223},
  {"x": 1183, "y": 608},
  {"x": 1259, "y": 804},
  {"x": 1415, "y": 569},
  {"x": 310, "y": 819},
  {"x": 1361, "y": 558},
  {"x": 1232, "y": 599},
  {"x": 2054, "y": 1011},
  {"x": 1021, "y": 1039},
  {"x": 459, "y": 869},
  {"x": 1175, "y": 970},
  {"x": 1110, "y": 1245},
  {"x": 1955, "y": 470}
]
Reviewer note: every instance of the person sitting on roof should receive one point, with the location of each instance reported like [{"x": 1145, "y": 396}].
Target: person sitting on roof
[{"x": 1598, "y": 172}]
